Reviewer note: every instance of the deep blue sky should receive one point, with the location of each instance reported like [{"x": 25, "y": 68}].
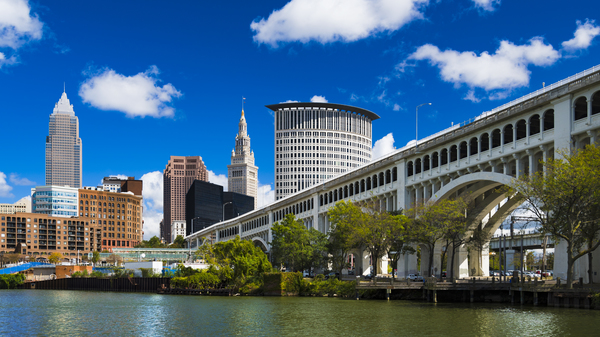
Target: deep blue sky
[{"x": 365, "y": 53}]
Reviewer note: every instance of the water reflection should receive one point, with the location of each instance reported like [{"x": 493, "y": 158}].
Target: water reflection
[{"x": 26, "y": 312}]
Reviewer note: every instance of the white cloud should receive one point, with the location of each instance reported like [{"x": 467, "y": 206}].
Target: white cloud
[
  {"x": 4, "y": 187},
  {"x": 383, "y": 146},
  {"x": 471, "y": 97},
  {"x": 583, "y": 36},
  {"x": 290, "y": 101},
  {"x": 137, "y": 95},
  {"x": 486, "y": 5},
  {"x": 318, "y": 99},
  {"x": 15, "y": 179},
  {"x": 219, "y": 179},
  {"x": 506, "y": 69},
  {"x": 397, "y": 107},
  {"x": 153, "y": 203},
  {"x": 18, "y": 26},
  {"x": 327, "y": 21},
  {"x": 7, "y": 62},
  {"x": 265, "y": 195}
]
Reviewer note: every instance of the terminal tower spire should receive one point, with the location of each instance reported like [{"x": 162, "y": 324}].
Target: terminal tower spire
[{"x": 242, "y": 174}]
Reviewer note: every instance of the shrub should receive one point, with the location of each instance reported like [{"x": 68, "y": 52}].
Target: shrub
[
  {"x": 11, "y": 281},
  {"x": 596, "y": 300}
]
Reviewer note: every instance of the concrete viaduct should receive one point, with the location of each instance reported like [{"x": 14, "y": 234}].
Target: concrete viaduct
[{"x": 473, "y": 158}]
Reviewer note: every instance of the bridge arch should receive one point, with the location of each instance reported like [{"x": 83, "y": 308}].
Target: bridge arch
[
  {"x": 452, "y": 187},
  {"x": 260, "y": 243}
]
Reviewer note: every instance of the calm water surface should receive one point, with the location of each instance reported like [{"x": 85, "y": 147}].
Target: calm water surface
[{"x": 46, "y": 312}]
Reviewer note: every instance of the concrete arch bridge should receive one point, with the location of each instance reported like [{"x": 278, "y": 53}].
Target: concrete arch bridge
[{"x": 474, "y": 158}]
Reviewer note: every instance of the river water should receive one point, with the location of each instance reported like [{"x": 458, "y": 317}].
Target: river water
[{"x": 47, "y": 312}]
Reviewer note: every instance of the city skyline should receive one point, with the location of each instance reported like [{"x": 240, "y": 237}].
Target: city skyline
[{"x": 159, "y": 82}]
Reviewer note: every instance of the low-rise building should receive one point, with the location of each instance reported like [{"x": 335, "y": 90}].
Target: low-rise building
[
  {"x": 45, "y": 234},
  {"x": 117, "y": 215}
]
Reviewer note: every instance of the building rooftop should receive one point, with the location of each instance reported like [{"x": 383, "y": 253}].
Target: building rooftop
[{"x": 342, "y": 107}]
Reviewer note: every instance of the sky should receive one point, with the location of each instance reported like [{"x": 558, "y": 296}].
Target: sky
[{"x": 150, "y": 79}]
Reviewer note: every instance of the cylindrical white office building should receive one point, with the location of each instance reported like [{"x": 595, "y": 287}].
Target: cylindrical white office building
[{"x": 317, "y": 141}]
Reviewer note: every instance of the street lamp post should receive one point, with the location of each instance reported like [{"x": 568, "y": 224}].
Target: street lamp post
[
  {"x": 417, "y": 125},
  {"x": 229, "y": 202}
]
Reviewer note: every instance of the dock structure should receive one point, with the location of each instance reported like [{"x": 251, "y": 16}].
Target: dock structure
[{"x": 484, "y": 289}]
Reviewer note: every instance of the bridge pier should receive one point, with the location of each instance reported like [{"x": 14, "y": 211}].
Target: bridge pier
[
  {"x": 407, "y": 264},
  {"x": 436, "y": 266},
  {"x": 362, "y": 262}
]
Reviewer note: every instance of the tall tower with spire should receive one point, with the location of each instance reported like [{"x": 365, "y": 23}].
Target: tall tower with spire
[
  {"x": 63, "y": 146},
  {"x": 242, "y": 174}
]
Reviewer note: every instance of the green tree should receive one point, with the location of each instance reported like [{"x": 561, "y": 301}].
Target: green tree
[
  {"x": 154, "y": 242},
  {"x": 178, "y": 243},
  {"x": 237, "y": 261},
  {"x": 295, "y": 246},
  {"x": 565, "y": 200},
  {"x": 372, "y": 228},
  {"x": 529, "y": 259},
  {"x": 478, "y": 240},
  {"x": 343, "y": 217},
  {"x": 95, "y": 257},
  {"x": 54, "y": 258},
  {"x": 455, "y": 224},
  {"x": 427, "y": 227},
  {"x": 400, "y": 244}
]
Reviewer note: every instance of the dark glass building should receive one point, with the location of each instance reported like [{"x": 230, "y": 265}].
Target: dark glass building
[{"x": 206, "y": 204}]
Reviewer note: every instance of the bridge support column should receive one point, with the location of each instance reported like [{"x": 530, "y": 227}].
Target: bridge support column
[
  {"x": 382, "y": 267},
  {"x": 510, "y": 259},
  {"x": 407, "y": 264},
  {"x": 461, "y": 263},
  {"x": 436, "y": 269},
  {"x": 479, "y": 262},
  {"x": 362, "y": 261}
]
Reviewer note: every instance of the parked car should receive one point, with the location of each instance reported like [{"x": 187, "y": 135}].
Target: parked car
[
  {"x": 444, "y": 274},
  {"x": 415, "y": 277},
  {"x": 332, "y": 275}
]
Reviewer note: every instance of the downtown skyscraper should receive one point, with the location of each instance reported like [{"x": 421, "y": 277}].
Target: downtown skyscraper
[
  {"x": 178, "y": 176},
  {"x": 242, "y": 174},
  {"x": 63, "y": 146}
]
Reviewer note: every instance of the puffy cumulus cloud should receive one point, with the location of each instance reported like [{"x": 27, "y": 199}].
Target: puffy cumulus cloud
[
  {"x": 318, "y": 99},
  {"x": 506, "y": 69},
  {"x": 137, "y": 95},
  {"x": 327, "y": 21},
  {"x": 265, "y": 195},
  {"x": 486, "y": 5},
  {"x": 219, "y": 179},
  {"x": 396, "y": 107},
  {"x": 15, "y": 179},
  {"x": 18, "y": 26},
  {"x": 4, "y": 187},
  {"x": 583, "y": 36},
  {"x": 383, "y": 146},
  {"x": 153, "y": 203}
]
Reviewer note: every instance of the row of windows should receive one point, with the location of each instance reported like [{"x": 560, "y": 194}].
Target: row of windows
[
  {"x": 359, "y": 186},
  {"x": 509, "y": 133}
]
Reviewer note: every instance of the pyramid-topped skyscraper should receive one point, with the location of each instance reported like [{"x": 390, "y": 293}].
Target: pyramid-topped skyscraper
[{"x": 63, "y": 146}]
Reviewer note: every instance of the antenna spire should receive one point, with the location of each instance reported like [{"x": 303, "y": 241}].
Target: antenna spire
[{"x": 64, "y": 87}]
